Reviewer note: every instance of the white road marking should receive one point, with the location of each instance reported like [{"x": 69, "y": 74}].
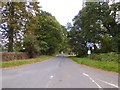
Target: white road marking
[
  {"x": 85, "y": 74},
  {"x": 48, "y": 84},
  {"x": 92, "y": 80},
  {"x": 109, "y": 83},
  {"x": 51, "y": 77}
]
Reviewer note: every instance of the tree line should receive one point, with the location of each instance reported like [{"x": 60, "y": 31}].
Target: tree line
[
  {"x": 96, "y": 23},
  {"x": 25, "y": 27}
]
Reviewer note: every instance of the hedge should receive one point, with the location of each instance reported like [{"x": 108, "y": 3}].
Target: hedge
[
  {"x": 110, "y": 57},
  {"x": 12, "y": 56}
]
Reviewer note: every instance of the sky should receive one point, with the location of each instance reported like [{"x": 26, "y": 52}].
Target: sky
[{"x": 63, "y": 10}]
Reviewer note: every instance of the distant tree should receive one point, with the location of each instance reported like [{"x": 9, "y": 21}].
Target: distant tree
[{"x": 64, "y": 46}]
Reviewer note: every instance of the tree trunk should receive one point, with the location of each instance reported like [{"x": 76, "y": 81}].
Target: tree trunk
[
  {"x": 10, "y": 38},
  {"x": 11, "y": 28}
]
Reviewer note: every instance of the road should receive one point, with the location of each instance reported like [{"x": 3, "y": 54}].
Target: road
[{"x": 59, "y": 72}]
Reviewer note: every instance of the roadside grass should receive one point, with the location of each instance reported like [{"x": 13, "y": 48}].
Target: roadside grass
[
  {"x": 23, "y": 62},
  {"x": 104, "y": 65}
]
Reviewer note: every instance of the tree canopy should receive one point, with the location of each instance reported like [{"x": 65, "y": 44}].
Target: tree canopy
[
  {"x": 50, "y": 33},
  {"x": 16, "y": 20},
  {"x": 96, "y": 23},
  {"x": 25, "y": 27}
]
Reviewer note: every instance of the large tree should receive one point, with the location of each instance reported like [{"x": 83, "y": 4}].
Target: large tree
[
  {"x": 50, "y": 34},
  {"x": 96, "y": 23},
  {"x": 16, "y": 18}
]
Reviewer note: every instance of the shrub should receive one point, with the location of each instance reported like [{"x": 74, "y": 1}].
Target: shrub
[
  {"x": 110, "y": 57},
  {"x": 31, "y": 45},
  {"x": 11, "y": 56}
]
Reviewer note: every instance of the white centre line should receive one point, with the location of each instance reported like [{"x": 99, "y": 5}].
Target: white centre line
[
  {"x": 109, "y": 83},
  {"x": 49, "y": 82},
  {"x": 51, "y": 77},
  {"x": 92, "y": 80},
  {"x": 85, "y": 74}
]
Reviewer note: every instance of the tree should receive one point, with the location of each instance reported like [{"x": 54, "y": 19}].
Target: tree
[
  {"x": 112, "y": 26},
  {"x": 77, "y": 42},
  {"x": 95, "y": 23},
  {"x": 64, "y": 46},
  {"x": 31, "y": 45},
  {"x": 16, "y": 18},
  {"x": 49, "y": 33}
]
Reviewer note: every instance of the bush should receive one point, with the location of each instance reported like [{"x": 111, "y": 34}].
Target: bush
[
  {"x": 110, "y": 57},
  {"x": 80, "y": 51},
  {"x": 11, "y": 56},
  {"x": 31, "y": 45}
]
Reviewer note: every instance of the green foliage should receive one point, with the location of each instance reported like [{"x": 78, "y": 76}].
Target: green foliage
[
  {"x": 95, "y": 23},
  {"x": 17, "y": 18},
  {"x": 31, "y": 45},
  {"x": 109, "y": 57},
  {"x": 106, "y": 44},
  {"x": 64, "y": 44},
  {"x": 109, "y": 66},
  {"x": 77, "y": 43},
  {"x": 31, "y": 30},
  {"x": 49, "y": 33}
]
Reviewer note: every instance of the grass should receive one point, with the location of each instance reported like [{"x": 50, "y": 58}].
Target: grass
[
  {"x": 23, "y": 62},
  {"x": 104, "y": 65}
]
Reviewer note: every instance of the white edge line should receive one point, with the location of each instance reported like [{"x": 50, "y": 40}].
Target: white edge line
[
  {"x": 92, "y": 80},
  {"x": 109, "y": 83},
  {"x": 96, "y": 84}
]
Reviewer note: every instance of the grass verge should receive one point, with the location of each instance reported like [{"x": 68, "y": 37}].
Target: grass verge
[
  {"x": 23, "y": 62},
  {"x": 104, "y": 65}
]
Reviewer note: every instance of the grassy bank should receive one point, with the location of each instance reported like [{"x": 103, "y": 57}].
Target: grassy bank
[
  {"x": 23, "y": 62},
  {"x": 104, "y": 65}
]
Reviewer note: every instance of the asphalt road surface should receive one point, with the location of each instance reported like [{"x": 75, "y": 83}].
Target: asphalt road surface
[{"x": 59, "y": 72}]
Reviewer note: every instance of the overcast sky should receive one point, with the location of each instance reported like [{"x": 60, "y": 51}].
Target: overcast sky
[{"x": 63, "y": 10}]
